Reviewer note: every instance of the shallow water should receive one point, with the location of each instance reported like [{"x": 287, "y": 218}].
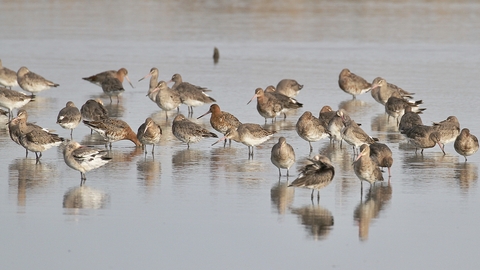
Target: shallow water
[{"x": 213, "y": 207}]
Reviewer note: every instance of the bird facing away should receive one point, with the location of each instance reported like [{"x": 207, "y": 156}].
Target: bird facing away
[
  {"x": 382, "y": 155},
  {"x": 112, "y": 87},
  {"x": 149, "y": 133},
  {"x": 190, "y": 95},
  {"x": 165, "y": 98},
  {"x": 365, "y": 167},
  {"x": 409, "y": 120},
  {"x": 310, "y": 128},
  {"x": 8, "y": 77},
  {"x": 249, "y": 134},
  {"x": 221, "y": 121},
  {"x": 93, "y": 110},
  {"x": 69, "y": 117},
  {"x": 316, "y": 175},
  {"x": 289, "y": 87},
  {"x": 113, "y": 130},
  {"x": 35, "y": 139},
  {"x": 84, "y": 159},
  {"x": 32, "y": 82},
  {"x": 352, "y": 84},
  {"x": 282, "y": 155},
  {"x": 188, "y": 131},
  {"x": 11, "y": 99},
  {"x": 326, "y": 114},
  {"x": 466, "y": 144},
  {"x": 97, "y": 79}
]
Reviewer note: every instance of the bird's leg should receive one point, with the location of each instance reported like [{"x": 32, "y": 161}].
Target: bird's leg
[
  {"x": 311, "y": 195},
  {"x": 279, "y": 172},
  {"x": 311, "y": 148}
]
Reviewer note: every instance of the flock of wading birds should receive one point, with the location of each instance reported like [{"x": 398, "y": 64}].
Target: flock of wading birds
[{"x": 271, "y": 103}]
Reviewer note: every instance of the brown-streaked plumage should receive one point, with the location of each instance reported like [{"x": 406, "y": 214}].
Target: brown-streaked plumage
[
  {"x": 316, "y": 175},
  {"x": 396, "y": 106},
  {"x": 409, "y": 120},
  {"x": 466, "y": 144},
  {"x": 352, "y": 84},
  {"x": 113, "y": 130},
  {"x": 35, "y": 139},
  {"x": 190, "y": 95},
  {"x": 14, "y": 128},
  {"x": 188, "y": 131},
  {"x": 287, "y": 102},
  {"x": 120, "y": 74},
  {"x": 336, "y": 125},
  {"x": 221, "y": 121},
  {"x": 153, "y": 74},
  {"x": 326, "y": 114},
  {"x": 354, "y": 135},
  {"x": 282, "y": 155},
  {"x": 149, "y": 133},
  {"x": 310, "y": 128},
  {"x": 268, "y": 106}
]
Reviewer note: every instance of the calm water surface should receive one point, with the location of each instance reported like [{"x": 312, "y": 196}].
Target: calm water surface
[{"x": 211, "y": 207}]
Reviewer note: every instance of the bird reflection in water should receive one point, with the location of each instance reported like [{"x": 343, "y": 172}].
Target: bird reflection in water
[
  {"x": 28, "y": 176},
  {"x": 466, "y": 174},
  {"x": 281, "y": 196},
  {"x": 375, "y": 201},
  {"x": 84, "y": 197},
  {"x": 318, "y": 221},
  {"x": 149, "y": 171},
  {"x": 355, "y": 106},
  {"x": 387, "y": 131}
]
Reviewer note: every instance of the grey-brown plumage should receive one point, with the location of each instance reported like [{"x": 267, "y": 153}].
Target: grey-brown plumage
[
  {"x": 310, "y": 128},
  {"x": 382, "y": 155},
  {"x": 190, "y": 95},
  {"x": 336, "y": 125},
  {"x": 316, "y": 175},
  {"x": 352, "y": 84},
  {"x": 382, "y": 90},
  {"x": 188, "y": 131},
  {"x": 318, "y": 221},
  {"x": 249, "y": 134},
  {"x": 149, "y": 133},
  {"x": 354, "y": 135},
  {"x": 268, "y": 106},
  {"x": 112, "y": 86},
  {"x": 396, "y": 105},
  {"x": 14, "y": 128},
  {"x": 84, "y": 159},
  {"x": 466, "y": 144},
  {"x": 365, "y": 168},
  {"x": 35, "y": 139},
  {"x": 166, "y": 99},
  {"x": 32, "y": 82},
  {"x": 8, "y": 77},
  {"x": 423, "y": 137},
  {"x": 153, "y": 74},
  {"x": 448, "y": 129},
  {"x": 69, "y": 117},
  {"x": 93, "y": 110},
  {"x": 113, "y": 130},
  {"x": 326, "y": 114},
  {"x": 289, "y": 87},
  {"x": 409, "y": 120},
  {"x": 11, "y": 99},
  {"x": 289, "y": 103},
  {"x": 282, "y": 155}
]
